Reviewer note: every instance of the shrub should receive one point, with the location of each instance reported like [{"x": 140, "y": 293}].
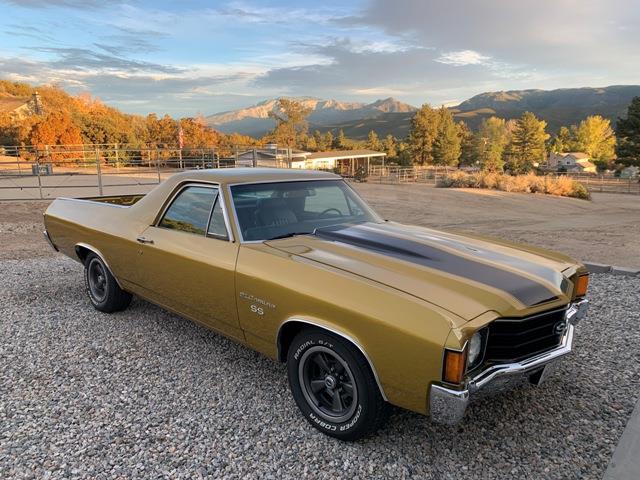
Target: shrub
[{"x": 529, "y": 183}]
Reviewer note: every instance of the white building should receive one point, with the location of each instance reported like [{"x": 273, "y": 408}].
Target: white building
[{"x": 576, "y": 162}]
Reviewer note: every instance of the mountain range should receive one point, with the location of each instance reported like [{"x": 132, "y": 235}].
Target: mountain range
[
  {"x": 255, "y": 120},
  {"x": 565, "y": 106}
]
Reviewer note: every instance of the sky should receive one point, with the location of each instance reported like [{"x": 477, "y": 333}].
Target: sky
[{"x": 189, "y": 57}]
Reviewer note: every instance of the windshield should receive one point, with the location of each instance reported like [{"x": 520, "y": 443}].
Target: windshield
[{"x": 267, "y": 211}]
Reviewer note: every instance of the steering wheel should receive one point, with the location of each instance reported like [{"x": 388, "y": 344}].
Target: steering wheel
[{"x": 322, "y": 214}]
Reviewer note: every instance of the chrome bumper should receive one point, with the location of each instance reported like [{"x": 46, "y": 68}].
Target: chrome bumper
[{"x": 448, "y": 406}]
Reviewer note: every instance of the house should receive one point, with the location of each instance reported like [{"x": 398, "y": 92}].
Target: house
[
  {"x": 345, "y": 162},
  {"x": 630, "y": 172},
  {"x": 575, "y": 162},
  {"x": 268, "y": 156},
  {"x": 19, "y": 108}
]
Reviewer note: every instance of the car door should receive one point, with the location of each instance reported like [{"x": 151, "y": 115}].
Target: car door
[{"x": 186, "y": 260}]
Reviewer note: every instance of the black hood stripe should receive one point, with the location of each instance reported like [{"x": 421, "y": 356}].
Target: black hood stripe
[
  {"x": 552, "y": 276},
  {"x": 524, "y": 289}
]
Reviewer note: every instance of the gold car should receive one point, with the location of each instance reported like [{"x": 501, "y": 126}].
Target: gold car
[{"x": 364, "y": 311}]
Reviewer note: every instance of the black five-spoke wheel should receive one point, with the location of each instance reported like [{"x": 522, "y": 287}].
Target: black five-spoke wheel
[
  {"x": 97, "y": 277},
  {"x": 102, "y": 288},
  {"x": 328, "y": 384},
  {"x": 333, "y": 385}
]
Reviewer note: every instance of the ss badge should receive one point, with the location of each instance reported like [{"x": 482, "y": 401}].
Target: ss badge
[{"x": 257, "y": 310}]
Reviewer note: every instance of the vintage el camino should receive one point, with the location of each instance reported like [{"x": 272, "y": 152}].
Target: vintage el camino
[{"x": 364, "y": 311}]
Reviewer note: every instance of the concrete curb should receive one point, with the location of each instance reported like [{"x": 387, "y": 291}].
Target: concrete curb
[
  {"x": 625, "y": 463},
  {"x": 611, "y": 269}
]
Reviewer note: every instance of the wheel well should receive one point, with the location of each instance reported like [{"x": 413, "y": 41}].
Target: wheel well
[
  {"x": 82, "y": 252},
  {"x": 290, "y": 329},
  {"x": 286, "y": 335}
]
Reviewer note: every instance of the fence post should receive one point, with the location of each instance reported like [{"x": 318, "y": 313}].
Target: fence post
[
  {"x": 117, "y": 158},
  {"x": 99, "y": 169},
  {"x": 203, "y": 165},
  {"x": 157, "y": 163},
  {"x": 39, "y": 179}
]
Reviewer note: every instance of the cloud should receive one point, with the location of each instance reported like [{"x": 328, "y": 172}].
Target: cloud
[
  {"x": 86, "y": 59},
  {"x": 415, "y": 73},
  {"x": 462, "y": 58}
]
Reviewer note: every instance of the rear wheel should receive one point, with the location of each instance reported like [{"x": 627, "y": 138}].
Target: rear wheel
[
  {"x": 333, "y": 385},
  {"x": 104, "y": 292}
]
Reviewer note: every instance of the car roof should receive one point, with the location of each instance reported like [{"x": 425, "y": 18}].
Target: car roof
[{"x": 252, "y": 175}]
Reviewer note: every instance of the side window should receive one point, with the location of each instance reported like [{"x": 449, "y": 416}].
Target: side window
[
  {"x": 217, "y": 227},
  {"x": 189, "y": 211}
]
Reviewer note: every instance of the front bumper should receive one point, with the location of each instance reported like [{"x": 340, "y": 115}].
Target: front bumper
[{"x": 448, "y": 405}]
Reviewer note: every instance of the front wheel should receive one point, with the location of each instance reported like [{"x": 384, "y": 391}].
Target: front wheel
[
  {"x": 103, "y": 290},
  {"x": 334, "y": 386}
]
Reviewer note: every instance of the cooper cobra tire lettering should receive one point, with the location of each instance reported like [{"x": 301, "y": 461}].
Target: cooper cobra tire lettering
[{"x": 362, "y": 409}]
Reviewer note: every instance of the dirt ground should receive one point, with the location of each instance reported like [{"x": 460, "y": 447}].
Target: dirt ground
[{"x": 604, "y": 230}]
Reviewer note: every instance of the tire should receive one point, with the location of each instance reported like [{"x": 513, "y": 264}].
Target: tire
[
  {"x": 320, "y": 367},
  {"x": 104, "y": 292}
]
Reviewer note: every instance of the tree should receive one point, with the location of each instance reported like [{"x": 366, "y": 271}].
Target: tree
[
  {"x": 595, "y": 137},
  {"x": 446, "y": 145},
  {"x": 55, "y": 129},
  {"x": 319, "y": 139},
  {"x": 291, "y": 122},
  {"x": 467, "y": 145},
  {"x": 328, "y": 140},
  {"x": 527, "y": 146},
  {"x": 562, "y": 142},
  {"x": 491, "y": 142},
  {"x": 424, "y": 127},
  {"x": 389, "y": 145},
  {"x": 628, "y": 132},
  {"x": 373, "y": 142},
  {"x": 340, "y": 142}
]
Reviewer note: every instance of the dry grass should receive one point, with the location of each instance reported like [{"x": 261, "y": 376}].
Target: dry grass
[{"x": 530, "y": 183}]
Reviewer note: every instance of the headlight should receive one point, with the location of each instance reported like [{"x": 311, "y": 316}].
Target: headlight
[{"x": 476, "y": 349}]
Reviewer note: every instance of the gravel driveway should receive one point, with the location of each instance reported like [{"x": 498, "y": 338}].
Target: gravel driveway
[{"x": 145, "y": 394}]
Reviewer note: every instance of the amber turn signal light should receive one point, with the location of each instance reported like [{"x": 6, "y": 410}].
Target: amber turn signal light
[
  {"x": 582, "y": 285},
  {"x": 454, "y": 364}
]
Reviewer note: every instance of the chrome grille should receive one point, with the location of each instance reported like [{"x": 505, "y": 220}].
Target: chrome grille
[{"x": 512, "y": 339}]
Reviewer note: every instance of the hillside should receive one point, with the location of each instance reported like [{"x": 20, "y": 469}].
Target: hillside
[
  {"x": 325, "y": 114},
  {"x": 564, "y": 106},
  {"x": 559, "y": 107}
]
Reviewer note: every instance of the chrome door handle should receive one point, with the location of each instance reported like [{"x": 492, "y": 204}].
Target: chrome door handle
[{"x": 145, "y": 240}]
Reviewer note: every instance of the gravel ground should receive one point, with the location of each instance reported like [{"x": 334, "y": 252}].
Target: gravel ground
[{"x": 145, "y": 394}]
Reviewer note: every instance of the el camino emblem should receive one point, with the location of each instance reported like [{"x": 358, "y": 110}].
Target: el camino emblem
[
  {"x": 257, "y": 304},
  {"x": 559, "y": 328}
]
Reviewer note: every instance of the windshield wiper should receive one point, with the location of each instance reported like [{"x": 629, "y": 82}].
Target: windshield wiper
[{"x": 288, "y": 235}]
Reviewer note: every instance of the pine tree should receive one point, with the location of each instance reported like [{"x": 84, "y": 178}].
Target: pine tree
[
  {"x": 562, "y": 142},
  {"x": 340, "y": 141},
  {"x": 467, "y": 145},
  {"x": 424, "y": 127},
  {"x": 446, "y": 145},
  {"x": 328, "y": 140},
  {"x": 628, "y": 131},
  {"x": 528, "y": 143},
  {"x": 373, "y": 142},
  {"x": 389, "y": 145}
]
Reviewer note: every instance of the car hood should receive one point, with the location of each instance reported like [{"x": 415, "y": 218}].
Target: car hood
[{"x": 464, "y": 274}]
